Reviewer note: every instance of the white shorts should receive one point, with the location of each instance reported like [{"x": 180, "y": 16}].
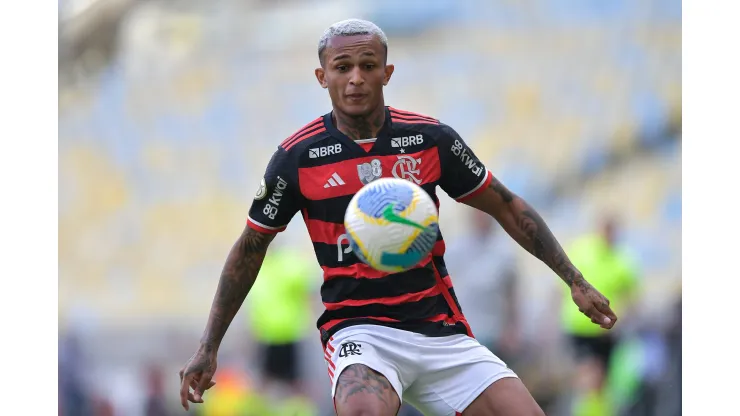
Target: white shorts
[{"x": 439, "y": 376}]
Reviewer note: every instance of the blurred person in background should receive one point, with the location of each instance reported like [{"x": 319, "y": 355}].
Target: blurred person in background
[
  {"x": 156, "y": 401},
  {"x": 668, "y": 393},
  {"x": 598, "y": 257},
  {"x": 645, "y": 372},
  {"x": 286, "y": 278},
  {"x": 73, "y": 395},
  {"x": 487, "y": 287},
  {"x": 371, "y": 320},
  {"x": 234, "y": 396},
  {"x": 104, "y": 407}
]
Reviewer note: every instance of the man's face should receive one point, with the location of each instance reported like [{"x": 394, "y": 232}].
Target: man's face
[{"x": 354, "y": 72}]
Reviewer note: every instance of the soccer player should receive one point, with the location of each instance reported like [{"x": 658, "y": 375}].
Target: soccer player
[{"x": 387, "y": 337}]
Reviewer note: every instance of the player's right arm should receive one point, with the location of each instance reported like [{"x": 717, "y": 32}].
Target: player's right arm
[
  {"x": 239, "y": 274},
  {"x": 276, "y": 202}
]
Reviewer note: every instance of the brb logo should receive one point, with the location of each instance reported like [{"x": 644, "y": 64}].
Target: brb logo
[
  {"x": 465, "y": 157},
  {"x": 349, "y": 348},
  {"x": 271, "y": 207},
  {"x": 406, "y": 167},
  {"x": 407, "y": 141},
  {"x": 334, "y": 149}
]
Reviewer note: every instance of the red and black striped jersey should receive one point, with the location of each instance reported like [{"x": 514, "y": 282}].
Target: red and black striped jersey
[{"x": 318, "y": 169}]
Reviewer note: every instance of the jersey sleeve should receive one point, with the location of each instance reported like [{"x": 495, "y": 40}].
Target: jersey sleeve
[
  {"x": 463, "y": 174},
  {"x": 278, "y": 196}
]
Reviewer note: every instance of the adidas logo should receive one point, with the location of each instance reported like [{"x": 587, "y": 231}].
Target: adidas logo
[{"x": 335, "y": 180}]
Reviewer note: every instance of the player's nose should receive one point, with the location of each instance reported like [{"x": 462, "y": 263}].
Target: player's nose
[{"x": 356, "y": 77}]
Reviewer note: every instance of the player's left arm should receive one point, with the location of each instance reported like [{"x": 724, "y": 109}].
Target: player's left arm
[
  {"x": 466, "y": 180},
  {"x": 527, "y": 227}
]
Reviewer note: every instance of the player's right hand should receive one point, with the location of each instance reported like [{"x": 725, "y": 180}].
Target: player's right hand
[{"x": 197, "y": 374}]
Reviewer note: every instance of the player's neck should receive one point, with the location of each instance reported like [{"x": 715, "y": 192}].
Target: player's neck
[{"x": 359, "y": 128}]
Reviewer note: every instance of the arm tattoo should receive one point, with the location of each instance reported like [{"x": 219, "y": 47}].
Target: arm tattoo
[
  {"x": 238, "y": 276},
  {"x": 360, "y": 379},
  {"x": 528, "y": 228}
]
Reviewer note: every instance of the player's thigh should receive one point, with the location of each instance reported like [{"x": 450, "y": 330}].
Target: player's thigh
[
  {"x": 451, "y": 391},
  {"x": 505, "y": 397},
  {"x": 456, "y": 371},
  {"x": 362, "y": 391}
]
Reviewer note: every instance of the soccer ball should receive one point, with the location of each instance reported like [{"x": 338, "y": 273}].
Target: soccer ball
[{"x": 392, "y": 224}]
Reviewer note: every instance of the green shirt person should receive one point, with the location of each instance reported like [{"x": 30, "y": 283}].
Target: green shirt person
[
  {"x": 606, "y": 268},
  {"x": 279, "y": 304}
]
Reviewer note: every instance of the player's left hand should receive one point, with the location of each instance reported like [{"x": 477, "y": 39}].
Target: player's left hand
[
  {"x": 593, "y": 304},
  {"x": 197, "y": 374}
]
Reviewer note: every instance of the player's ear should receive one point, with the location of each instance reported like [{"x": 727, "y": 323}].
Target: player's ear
[
  {"x": 321, "y": 77},
  {"x": 388, "y": 72}
]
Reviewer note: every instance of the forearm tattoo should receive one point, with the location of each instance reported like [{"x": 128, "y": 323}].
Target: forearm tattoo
[
  {"x": 528, "y": 228},
  {"x": 238, "y": 275},
  {"x": 358, "y": 379}
]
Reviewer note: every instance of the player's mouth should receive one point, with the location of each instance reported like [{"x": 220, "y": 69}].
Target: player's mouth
[{"x": 356, "y": 97}]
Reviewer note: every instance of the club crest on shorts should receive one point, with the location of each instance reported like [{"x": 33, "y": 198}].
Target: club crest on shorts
[
  {"x": 370, "y": 171},
  {"x": 261, "y": 191},
  {"x": 349, "y": 348}
]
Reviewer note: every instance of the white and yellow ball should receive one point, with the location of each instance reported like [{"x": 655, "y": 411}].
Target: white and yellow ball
[{"x": 392, "y": 224}]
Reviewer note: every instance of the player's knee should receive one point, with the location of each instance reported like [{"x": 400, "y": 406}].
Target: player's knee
[
  {"x": 363, "y": 411},
  {"x": 364, "y": 405},
  {"x": 362, "y": 391},
  {"x": 507, "y": 396}
]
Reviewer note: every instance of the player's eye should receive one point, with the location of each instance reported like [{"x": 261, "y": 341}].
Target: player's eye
[
  {"x": 369, "y": 66},
  {"x": 342, "y": 68}
]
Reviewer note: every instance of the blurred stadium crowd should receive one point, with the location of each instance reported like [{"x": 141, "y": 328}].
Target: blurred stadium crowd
[{"x": 169, "y": 111}]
